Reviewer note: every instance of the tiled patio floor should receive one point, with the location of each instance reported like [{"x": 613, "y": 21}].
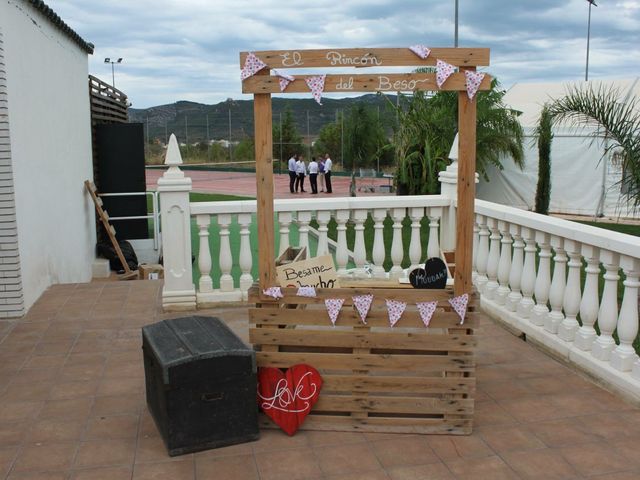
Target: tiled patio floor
[{"x": 72, "y": 407}]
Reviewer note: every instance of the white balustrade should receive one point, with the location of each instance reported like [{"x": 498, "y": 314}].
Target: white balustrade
[
  {"x": 225, "y": 260},
  {"x": 493, "y": 259},
  {"x": 246, "y": 257},
  {"x": 304, "y": 219},
  {"x": 415, "y": 247},
  {"x": 323, "y": 217},
  {"x": 504, "y": 265},
  {"x": 624, "y": 356},
  {"x": 528, "y": 281},
  {"x": 608, "y": 313},
  {"x": 433, "y": 244},
  {"x": 483, "y": 253},
  {"x": 284, "y": 219},
  {"x": 515, "y": 274},
  {"x": 558, "y": 284},
  {"x": 543, "y": 280},
  {"x": 572, "y": 295},
  {"x": 589, "y": 304},
  {"x": 378, "y": 252},
  {"x": 205, "y": 283},
  {"x": 342, "y": 255},
  {"x": 397, "y": 249},
  {"x": 359, "y": 251}
]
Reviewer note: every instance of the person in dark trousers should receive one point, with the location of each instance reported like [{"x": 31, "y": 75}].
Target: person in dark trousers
[
  {"x": 301, "y": 172},
  {"x": 327, "y": 172},
  {"x": 292, "y": 172},
  {"x": 313, "y": 175}
]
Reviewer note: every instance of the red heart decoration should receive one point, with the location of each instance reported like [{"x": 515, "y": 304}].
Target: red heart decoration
[{"x": 287, "y": 397}]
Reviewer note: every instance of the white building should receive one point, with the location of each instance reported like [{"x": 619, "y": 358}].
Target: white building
[{"x": 47, "y": 229}]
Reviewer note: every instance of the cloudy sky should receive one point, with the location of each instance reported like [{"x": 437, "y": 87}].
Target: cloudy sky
[{"x": 188, "y": 49}]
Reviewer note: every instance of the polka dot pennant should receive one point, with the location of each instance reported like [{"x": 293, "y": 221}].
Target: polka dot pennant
[
  {"x": 426, "y": 310},
  {"x": 252, "y": 65},
  {"x": 284, "y": 80},
  {"x": 306, "y": 292},
  {"x": 459, "y": 304},
  {"x": 274, "y": 292},
  {"x": 333, "y": 308},
  {"x": 473, "y": 81},
  {"x": 443, "y": 71},
  {"x": 395, "y": 309},
  {"x": 363, "y": 304},
  {"x": 316, "y": 84},
  {"x": 420, "y": 50}
]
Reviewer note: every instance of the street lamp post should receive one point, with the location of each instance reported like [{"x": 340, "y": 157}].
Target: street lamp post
[
  {"x": 455, "y": 35},
  {"x": 113, "y": 72},
  {"x": 586, "y": 71}
]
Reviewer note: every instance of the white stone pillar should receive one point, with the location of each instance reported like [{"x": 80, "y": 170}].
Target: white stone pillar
[
  {"x": 624, "y": 356},
  {"x": 589, "y": 304},
  {"x": 342, "y": 254},
  {"x": 483, "y": 253},
  {"x": 433, "y": 244},
  {"x": 515, "y": 274},
  {"x": 359, "y": 250},
  {"x": 543, "y": 280},
  {"x": 415, "y": 246},
  {"x": 304, "y": 218},
  {"x": 558, "y": 284},
  {"x": 571, "y": 302},
  {"x": 504, "y": 265},
  {"x": 608, "y": 313},
  {"x": 493, "y": 259},
  {"x": 528, "y": 281},
  {"x": 284, "y": 219},
  {"x": 246, "y": 257},
  {"x": 205, "y": 283},
  {"x": 397, "y": 250},
  {"x": 378, "y": 253},
  {"x": 178, "y": 291},
  {"x": 323, "y": 217},
  {"x": 225, "y": 259}
]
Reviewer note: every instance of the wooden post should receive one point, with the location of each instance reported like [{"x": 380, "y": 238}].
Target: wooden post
[
  {"x": 264, "y": 184},
  {"x": 466, "y": 192}
]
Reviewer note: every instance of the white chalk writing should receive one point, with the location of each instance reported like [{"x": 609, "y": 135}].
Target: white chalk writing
[
  {"x": 285, "y": 397},
  {"x": 366, "y": 60},
  {"x": 345, "y": 85},
  {"x": 290, "y": 59},
  {"x": 384, "y": 83}
]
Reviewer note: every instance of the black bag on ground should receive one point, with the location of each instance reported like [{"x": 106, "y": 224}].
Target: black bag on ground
[{"x": 107, "y": 251}]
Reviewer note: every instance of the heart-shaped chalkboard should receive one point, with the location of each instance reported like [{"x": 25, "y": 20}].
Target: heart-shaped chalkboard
[{"x": 433, "y": 275}]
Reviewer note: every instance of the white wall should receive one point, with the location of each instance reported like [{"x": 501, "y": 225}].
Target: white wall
[{"x": 51, "y": 149}]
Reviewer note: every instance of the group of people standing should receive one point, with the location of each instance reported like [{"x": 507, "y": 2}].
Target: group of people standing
[{"x": 298, "y": 170}]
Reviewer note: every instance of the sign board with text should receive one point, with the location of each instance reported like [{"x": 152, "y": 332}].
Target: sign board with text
[{"x": 318, "y": 272}]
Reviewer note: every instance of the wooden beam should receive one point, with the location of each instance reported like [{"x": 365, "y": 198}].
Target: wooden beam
[
  {"x": 466, "y": 193},
  {"x": 369, "y": 57},
  {"x": 396, "y": 82},
  {"x": 264, "y": 184}
]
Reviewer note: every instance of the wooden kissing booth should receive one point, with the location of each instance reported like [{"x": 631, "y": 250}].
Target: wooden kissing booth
[{"x": 377, "y": 378}]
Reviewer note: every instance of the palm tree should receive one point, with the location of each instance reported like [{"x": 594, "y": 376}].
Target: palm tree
[
  {"x": 618, "y": 120},
  {"x": 426, "y": 129}
]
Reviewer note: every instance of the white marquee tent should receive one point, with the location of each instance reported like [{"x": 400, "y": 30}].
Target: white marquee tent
[{"x": 583, "y": 182}]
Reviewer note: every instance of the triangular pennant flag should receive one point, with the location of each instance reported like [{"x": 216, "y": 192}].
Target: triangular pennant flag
[
  {"x": 395, "y": 309},
  {"x": 443, "y": 71},
  {"x": 420, "y": 50},
  {"x": 252, "y": 65},
  {"x": 426, "y": 310},
  {"x": 363, "y": 304},
  {"x": 459, "y": 304},
  {"x": 333, "y": 308},
  {"x": 284, "y": 80},
  {"x": 274, "y": 292},
  {"x": 316, "y": 84},
  {"x": 474, "y": 79},
  {"x": 306, "y": 292}
]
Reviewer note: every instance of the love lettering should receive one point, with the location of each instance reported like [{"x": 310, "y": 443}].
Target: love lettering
[{"x": 283, "y": 397}]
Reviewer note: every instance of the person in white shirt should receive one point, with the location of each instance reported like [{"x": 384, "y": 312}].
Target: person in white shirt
[
  {"x": 313, "y": 175},
  {"x": 292, "y": 171},
  {"x": 301, "y": 171},
  {"x": 327, "y": 172}
]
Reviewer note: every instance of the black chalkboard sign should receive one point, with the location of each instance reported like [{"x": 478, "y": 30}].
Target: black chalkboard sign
[{"x": 433, "y": 275}]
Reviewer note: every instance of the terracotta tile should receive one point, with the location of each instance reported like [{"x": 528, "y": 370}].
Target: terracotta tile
[
  {"x": 59, "y": 347},
  {"x": 38, "y": 476},
  {"x": 121, "y": 386},
  {"x": 27, "y": 391},
  {"x": 7, "y": 455},
  {"x": 69, "y": 390},
  {"x": 173, "y": 470},
  {"x": 594, "y": 458},
  {"x": 45, "y": 457},
  {"x": 540, "y": 463},
  {"x": 239, "y": 467},
  {"x": 103, "y": 473},
  {"x": 35, "y": 375},
  {"x": 117, "y": 426},
  {"x": 278, "y": 440},
  {"x": 576, "y": 404},
  {"x": 628, "y": 449},
  {"x": 432, "y": 471},
  {"x": 512, "y": 438},
  {"x": 533, "y": 409},
  {"x": 560, "y": 433},
  {"x": 453, "y": 447},
  {"x": 630, "y": 475},
  {"x": 152, "y": 449},
  {"x": 403, "y": 451},
  {"x": 490, "y": 413},
  {"x": 147, "y": 425},
  {"x": 358, "y": 457},
  {"x": 231, "y": 450},
  {"x": 292, "y": 464},
  {"x": 606, "y": 426},
  {"x": 321, "y": 438},
  {"x": 13, "y": 433},
  {"x": 46, "y": 361},
  {"x": 117, "y": 404},
  {"x": 52, "y": 430},
  {"x": 481, "y": 468},
  {"x": 71, "y": 408},
  {"x": 97, "y": 453},
  {"x": 19, "y": 411},
  {"x": 371, "y": 475}
]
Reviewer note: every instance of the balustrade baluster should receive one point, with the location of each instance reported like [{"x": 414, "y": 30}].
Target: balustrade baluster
[
  {"x": 342, "y": 255},
  {"x": 433, "y": 245},
  {"x": 226, "y": 260},
  {"x": 528, "y": 281},
  {"x": 415, "y": 248},
  {"x": 284, "y": 219},
  {"x": 304, "y": 218},
  {"x": 571, "y": 301},
  {"x": 624, "y": 356},
  {"x": 483, "y": 253},
  {"x": 608, "y": 313},
  {"x": 515, "y": 274},
  {"x": 359, "y": 251},
  {"x": 558, "y": 284},
  {"x": 493, "y": 259},
  {"x": 246, "y": 257},
  {"x": 205, "y": 284},
  {"x": 586, "y": 334},
  {"x": 397, "y": 250},
  {"x": 476, "y": 235},
  {"x": 323, "y": 217},
  {"x": 504, "y": 265},
  {"x": 543, "y": 280},
  {"x": 379, "y": 215}
]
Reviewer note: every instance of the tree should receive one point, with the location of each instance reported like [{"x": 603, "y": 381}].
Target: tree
[
  {"x": 245, "y": 149},
  {"x": 291, "y": 139},
  {"x": 619, "y": 121},
  {"x": 545, "y": 137},
  {"x": 330, "y": 140},
  {"x": 363, "y": 137}
]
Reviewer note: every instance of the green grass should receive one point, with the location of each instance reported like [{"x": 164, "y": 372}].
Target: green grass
[{"x": 617, "y": 227}]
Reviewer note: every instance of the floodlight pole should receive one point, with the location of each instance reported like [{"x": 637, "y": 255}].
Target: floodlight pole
[
  {"x": 113, "y": 71},
  {"x": 455, "y": 35},
  {"x": 586, "y": 71}
]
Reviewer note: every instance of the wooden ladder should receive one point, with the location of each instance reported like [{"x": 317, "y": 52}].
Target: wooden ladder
[{"x": 104, "y": 217}]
